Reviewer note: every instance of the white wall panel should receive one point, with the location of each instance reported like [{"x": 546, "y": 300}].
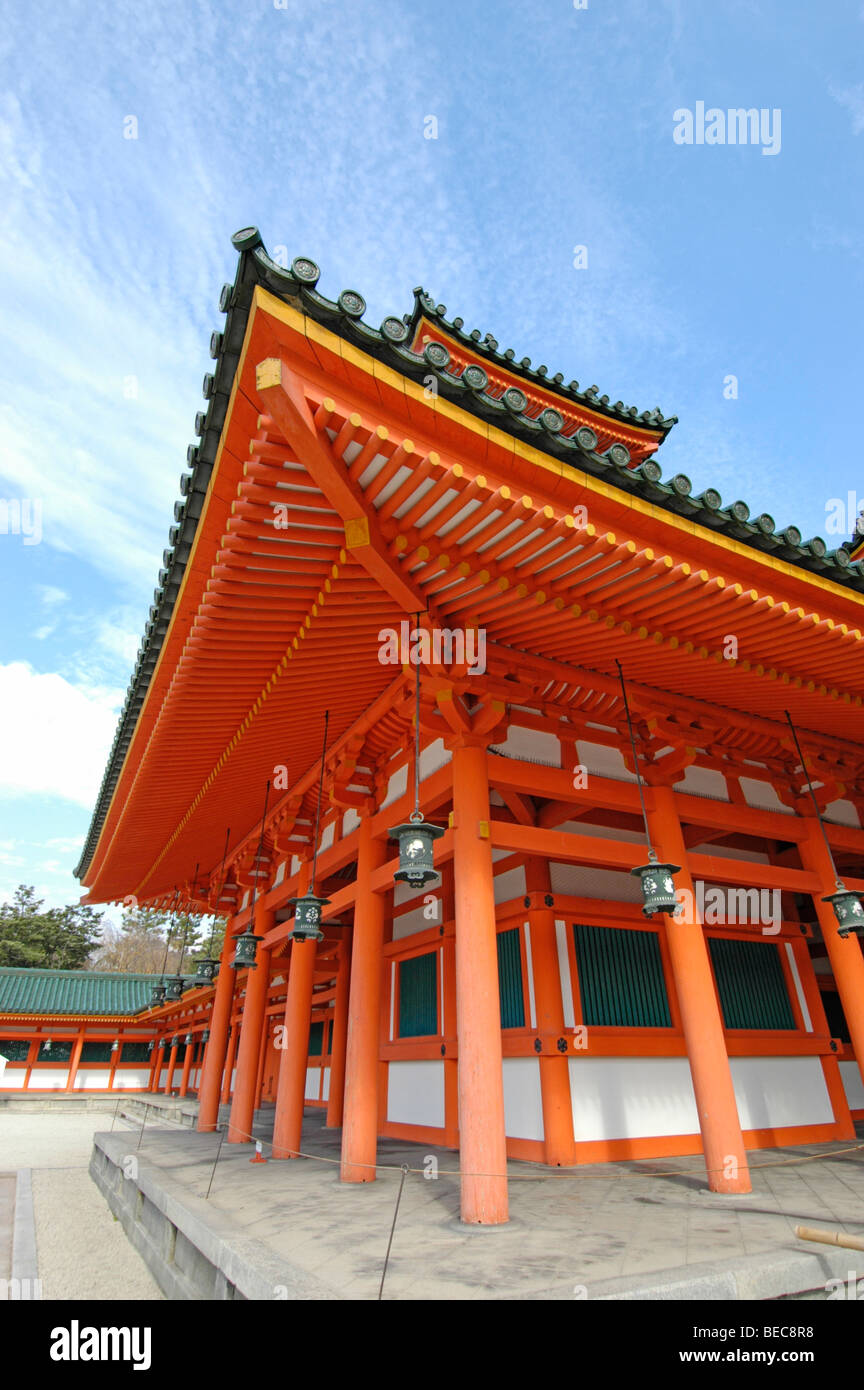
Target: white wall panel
[
  {"x": 631, "y": 1097},
  {"x": 523, "y": 1105},
  {"x": 415, "y": 1093},
  {"x": 852, "y": 1084},
  {"x": 773, "y": 1092}
]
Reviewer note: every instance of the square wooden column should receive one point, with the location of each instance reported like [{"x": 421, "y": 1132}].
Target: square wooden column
[{"x": 722, "y": 1141}]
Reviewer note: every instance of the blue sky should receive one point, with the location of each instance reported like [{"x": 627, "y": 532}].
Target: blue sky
[{"x": 554, "y": 130}]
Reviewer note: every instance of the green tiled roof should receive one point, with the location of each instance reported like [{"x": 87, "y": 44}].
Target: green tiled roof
[{"x": 73, "y": 992}]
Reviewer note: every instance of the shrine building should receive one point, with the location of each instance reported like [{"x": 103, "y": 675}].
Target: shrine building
[{"x": 611, "y": 674}]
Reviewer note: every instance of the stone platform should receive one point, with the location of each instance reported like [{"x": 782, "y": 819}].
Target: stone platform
[{"x": 641, "y": 1230}]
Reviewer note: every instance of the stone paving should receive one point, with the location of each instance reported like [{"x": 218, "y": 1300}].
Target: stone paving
[
  {"x": 82, "y": 1252},
  {"x": 573, "y": 1233}
]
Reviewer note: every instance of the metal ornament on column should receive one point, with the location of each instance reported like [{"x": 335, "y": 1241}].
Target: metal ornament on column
[
  {"x": 416, "y": 836},
  {"x": 247, "y": 943},
  {"x": 656, "y": 881},
  {"x": 847, "y": 905},
  {"x": 307, "y": 910}
]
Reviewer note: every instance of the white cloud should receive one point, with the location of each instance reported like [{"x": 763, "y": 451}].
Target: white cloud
[
  {"x": 58, "y": 735},
  {"x": 853, "y": 99},
  {"x": 51, "y": 595}
]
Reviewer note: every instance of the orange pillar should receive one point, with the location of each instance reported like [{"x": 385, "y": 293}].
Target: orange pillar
[
  {"x": 75, "y": 1060},
  {"x": 360, "y": 1113},
  {"x": 482, "y": 1143},
  {"x": 227, "y": 1082},
  {"x": 254, "y": 1006},
  {"x": 172, "y": 1062},
  {"x": 187, "y": 1066},
  {"x": 214, "y": 1056},
  {"x": 845, "y": 955},
  {"x": 339, "y": 1035},
  {"x": 291, "y": 1091},
  {"x": 558, "y": 1140},
  {"x": 722, "y": 1142}
]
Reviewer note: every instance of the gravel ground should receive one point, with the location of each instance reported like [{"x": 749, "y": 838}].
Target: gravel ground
[{"x": 82, "y": 1251}]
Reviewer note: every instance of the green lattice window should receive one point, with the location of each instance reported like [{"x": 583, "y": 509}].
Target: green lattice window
[
  {"x": 751, "y": 984},
  {"x": 418, "y": 996},
  {"x": 96, "y": 1052},
  {"x": 134, "y": 1052},
  {"x": 621, "y": 978},
  {"x": 316, "y": 1039},
  {"x": 15, "y": 1049},
  {"x": 510, "y": 979}
]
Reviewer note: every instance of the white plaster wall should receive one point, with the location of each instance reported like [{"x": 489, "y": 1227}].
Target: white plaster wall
[
  {"x": 581, "y": 881},
  {"x": 397, "y": 786},
  {"x": 48, "y": 1078},
  {"x": 313, "y": 1082},
  {"x": 325, "y": 1085},
  {"x": 523, "y": 1105},
  {"x": 92, "y": 1079},
  {"x": 605, "y": 762},
  {"x": 763, "y": 795},
  {"x": 328, "y": 836},
  {"x": 510, "y": 885},
  {"x": 128, "y": 1080},
  {"x": 640, "y": 1097},
  {"x": 350, "y": 821},
  {"x": 776, "y": 1091},
  {"x": 852, "y": 1085},
  {"x": 415, "y": 1093},
  {"x": 432, "y": 757},
  {"x": 12, "y": 1079},
  {"x": 704, "y": 781},
  {"x": 631, "y": 1097},
  {"x": 843, "y": 812},
  {"x": 531, "y": 746},
  {"x": 410, "y": 922}
]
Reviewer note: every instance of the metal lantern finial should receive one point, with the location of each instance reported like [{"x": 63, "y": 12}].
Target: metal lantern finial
[
  {"x": 847, "y": 905},
  {"x": 656, "y": 879},
  {"x": 416, "y": 836}
]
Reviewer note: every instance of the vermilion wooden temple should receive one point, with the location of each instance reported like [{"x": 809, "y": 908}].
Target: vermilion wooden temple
[{"x": 348, "y": 479}]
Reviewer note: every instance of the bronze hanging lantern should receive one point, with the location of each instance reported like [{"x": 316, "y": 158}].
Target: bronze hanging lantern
[
  {"x": 245, "y": 949},
  {"x": 205, "y": 1036},
  {"x": 307, "y": 917},
  {"x": 187, "y": 1041},
  {"x": 655, "y": 879},
  {"x": 847, "y": 905},
  {"x": 175, "y": 988},
  {"x": 416, "y": 836},
  {"x": 158, "y": 996},
  {"x": 416, "y": 857},
  {"x": 205, "y": 971},
  {"x": 847, "y": 909},
  {"x": 658, "y": 887}
]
